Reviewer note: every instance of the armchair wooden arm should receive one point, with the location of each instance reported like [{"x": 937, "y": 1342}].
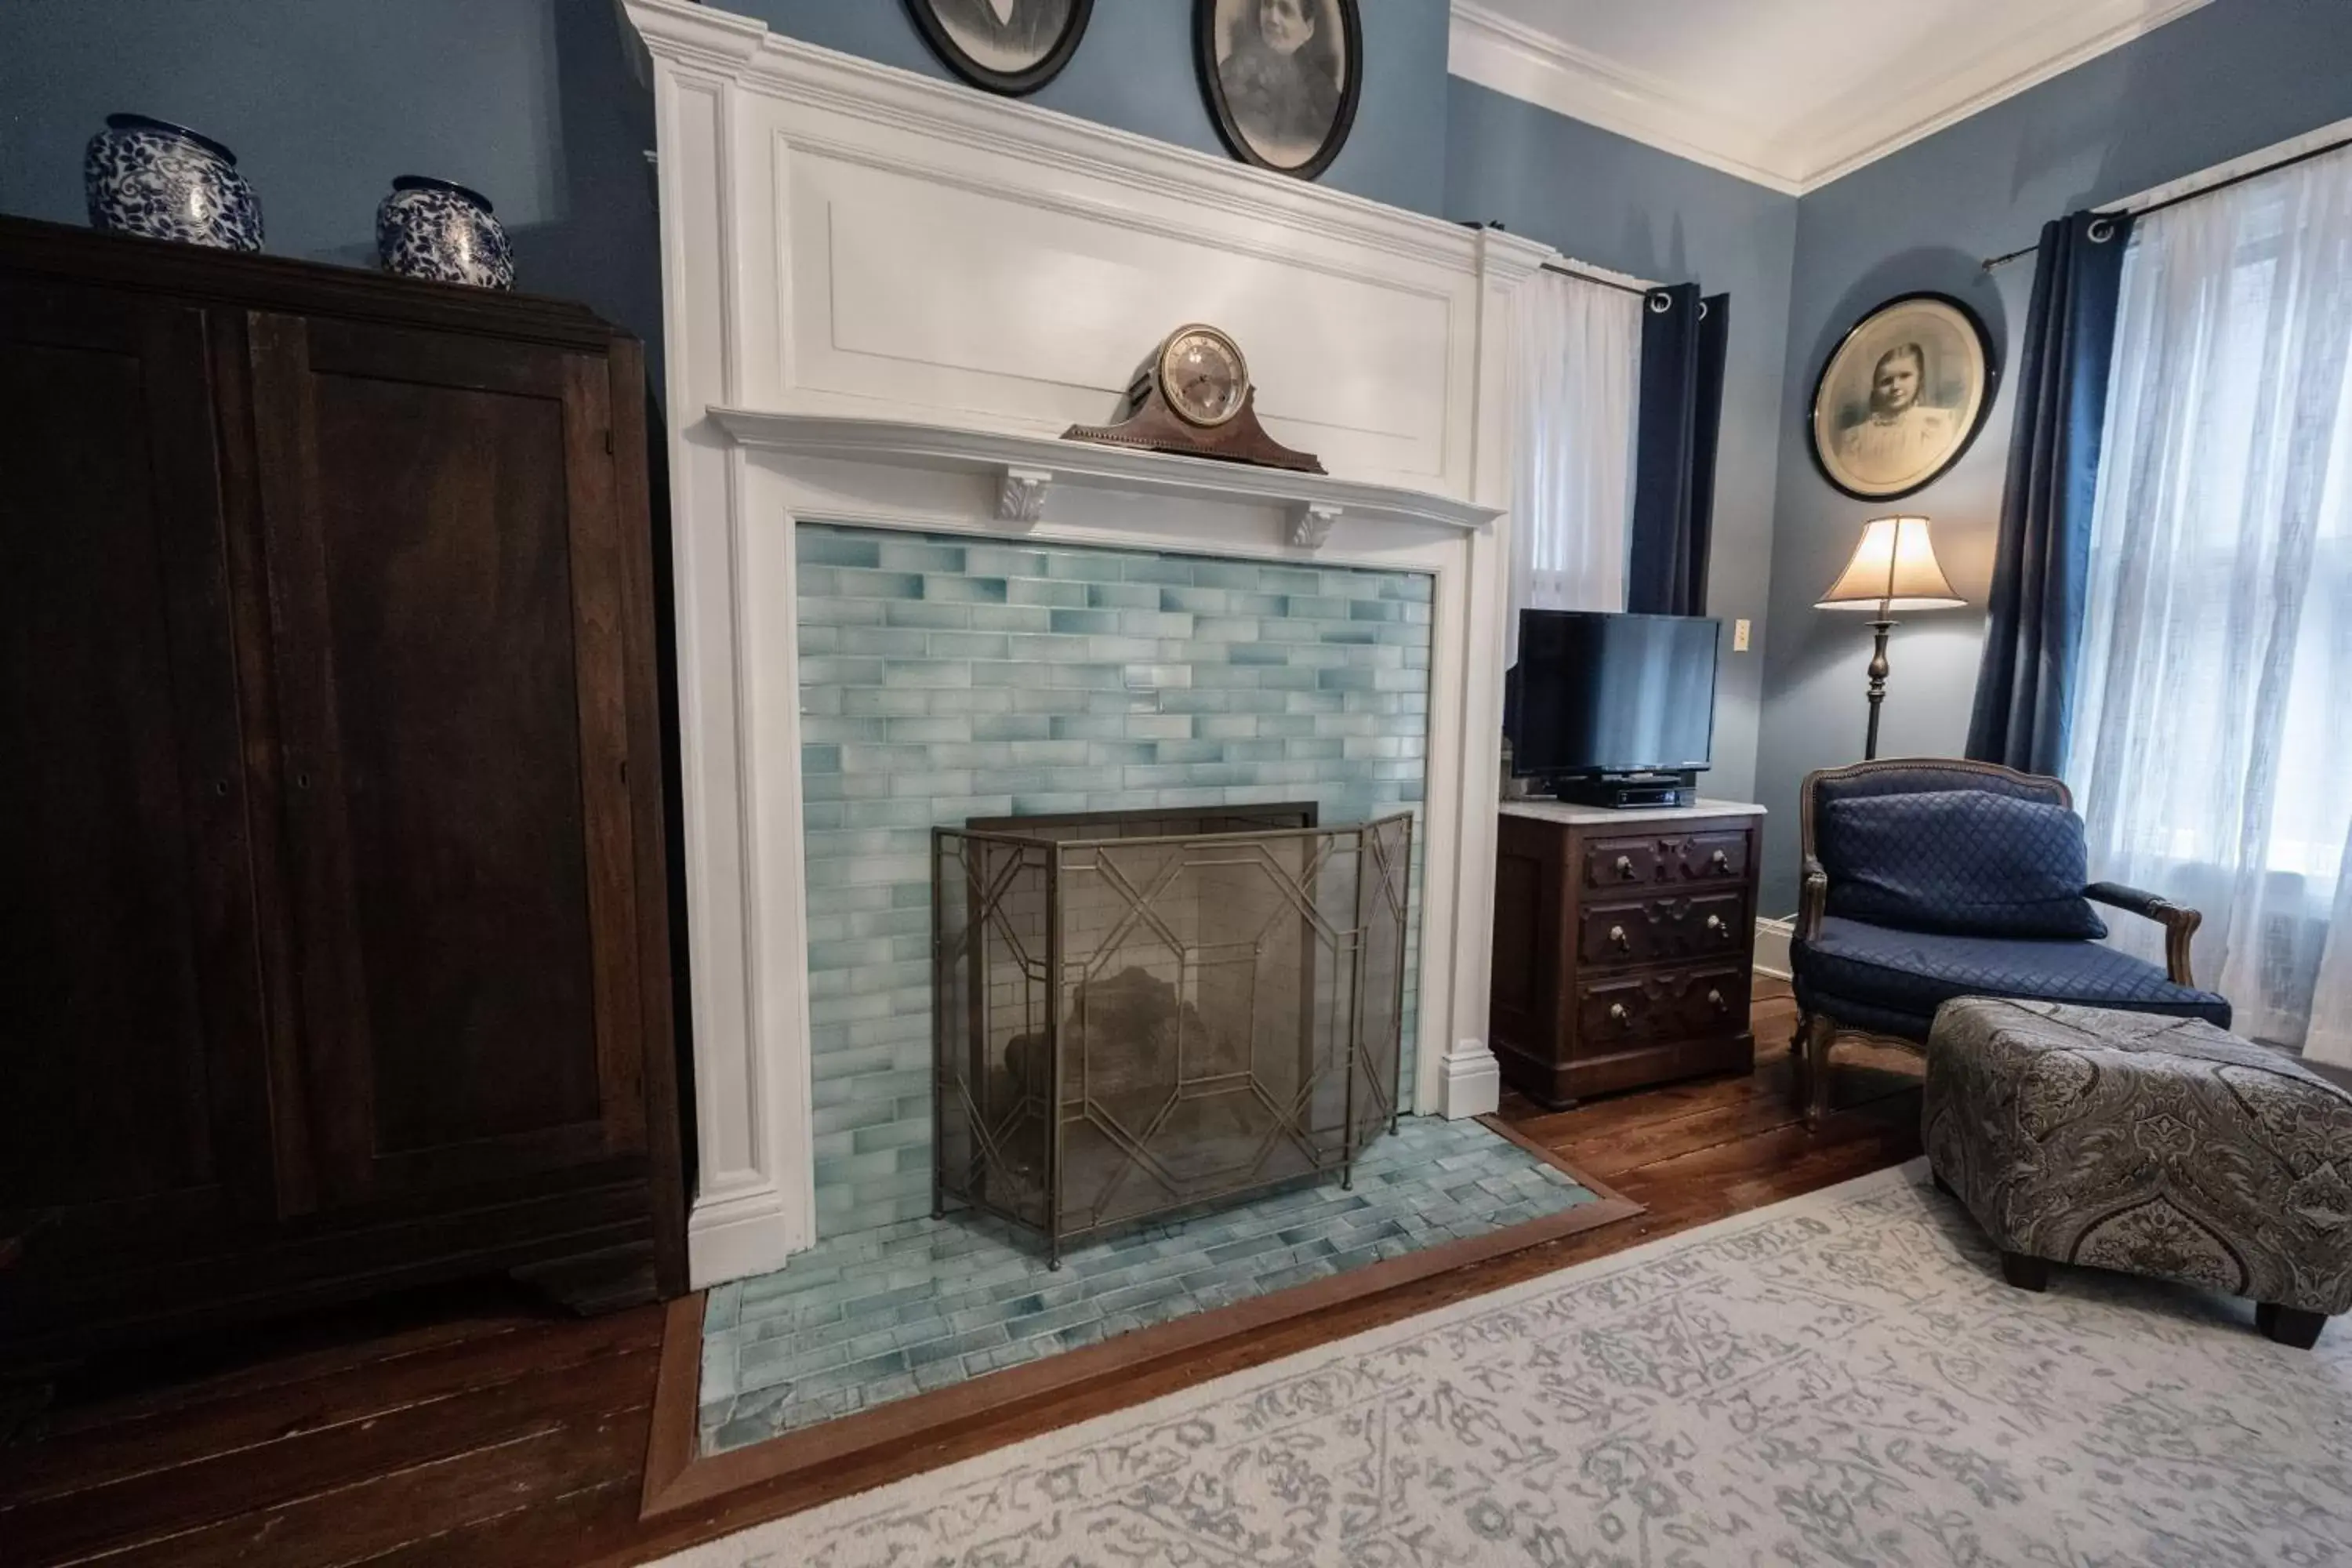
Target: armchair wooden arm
[
  {"x": 1814, "y": 901},
  {"x": 2179, "y": 923}
]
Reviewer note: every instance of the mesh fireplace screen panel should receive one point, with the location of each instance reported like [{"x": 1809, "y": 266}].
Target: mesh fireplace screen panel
[{"x": 1141, "y": 1012}]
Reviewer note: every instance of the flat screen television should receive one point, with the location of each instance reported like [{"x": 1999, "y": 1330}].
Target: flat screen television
[{"x": 1595, "y": 695}]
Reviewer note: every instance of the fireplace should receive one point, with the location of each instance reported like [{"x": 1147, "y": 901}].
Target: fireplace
[
  {"x": 1139, "y": 1011},
  {"x": 885, "y": 296}
]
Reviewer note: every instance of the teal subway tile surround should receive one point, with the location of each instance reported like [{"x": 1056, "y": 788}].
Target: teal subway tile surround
[{"x": 943, "y": 678}]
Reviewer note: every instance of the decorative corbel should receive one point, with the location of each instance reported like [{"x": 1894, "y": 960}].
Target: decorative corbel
[
  {"x": 1021, "y": 494},
  {"x": 1310, "y": 523}
]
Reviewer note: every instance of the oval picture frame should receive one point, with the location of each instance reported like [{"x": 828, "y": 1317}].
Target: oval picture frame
[
  {"x": 1248, "y": 131},
  {"x": 938, "y": 32},
  {"x": 1878, "y": 443}
]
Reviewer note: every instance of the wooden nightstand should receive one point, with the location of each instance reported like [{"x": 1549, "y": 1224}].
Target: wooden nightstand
[{"x": 1625, "y": 941}]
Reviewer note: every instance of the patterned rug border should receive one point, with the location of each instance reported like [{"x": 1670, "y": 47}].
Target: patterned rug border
[{"x": 743, "y": 1547}]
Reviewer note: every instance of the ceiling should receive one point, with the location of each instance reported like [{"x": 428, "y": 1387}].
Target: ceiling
[{"x": 1789, "y": 93}]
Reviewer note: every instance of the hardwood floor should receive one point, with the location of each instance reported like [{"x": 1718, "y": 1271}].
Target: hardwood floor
[{"x": 466, "y": 1427}]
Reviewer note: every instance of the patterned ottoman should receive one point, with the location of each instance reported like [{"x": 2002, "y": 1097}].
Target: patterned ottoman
[{"x": 2152, "y": 1145}]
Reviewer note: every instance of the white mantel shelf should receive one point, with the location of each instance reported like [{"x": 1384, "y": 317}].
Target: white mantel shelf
[{"x": 1026, "y": 466}]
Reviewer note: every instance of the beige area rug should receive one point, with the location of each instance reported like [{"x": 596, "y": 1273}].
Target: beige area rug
[{"x": 1841, "y": 1379}]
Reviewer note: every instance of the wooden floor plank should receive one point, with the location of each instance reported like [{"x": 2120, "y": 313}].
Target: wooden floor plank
[
  {"x": 256, "y": 1420},
  {"x": 263, "y": 1476},
  {"x": 562, "y": 1532},
  {"x": 281, "y": 1354},
  {"x": 490, "y": 1434},
  {"x": 368, "y": 1518}
]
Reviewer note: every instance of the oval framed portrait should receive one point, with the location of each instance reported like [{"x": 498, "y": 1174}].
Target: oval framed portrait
[
  {"x": 1012, "y": 47},
  {"x": 1281, "y": 78},
  {"x": 1902, "y": 397}
]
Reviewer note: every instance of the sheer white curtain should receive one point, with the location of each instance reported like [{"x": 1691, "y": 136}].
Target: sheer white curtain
[
  {"x": 2211, "y": 746},
  {"x": 1576, "y": 371}
]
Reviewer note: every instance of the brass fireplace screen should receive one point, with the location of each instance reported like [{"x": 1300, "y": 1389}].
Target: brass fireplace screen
[{"x": 1138, "y": 1012}]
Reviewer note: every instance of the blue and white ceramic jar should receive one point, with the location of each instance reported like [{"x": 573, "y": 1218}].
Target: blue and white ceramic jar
[
  {"x": 431, "y": 228},
  {"x": 149, "y": 177}
]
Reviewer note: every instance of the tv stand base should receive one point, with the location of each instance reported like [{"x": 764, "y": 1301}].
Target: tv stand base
[{"x": 1620, "y": 792}]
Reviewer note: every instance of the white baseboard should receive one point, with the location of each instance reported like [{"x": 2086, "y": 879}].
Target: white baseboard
[
  {"x": 1472, "y": 1081},
  {"x": 737, "y": 1236},
  {"x": 1772, "y": 947}
]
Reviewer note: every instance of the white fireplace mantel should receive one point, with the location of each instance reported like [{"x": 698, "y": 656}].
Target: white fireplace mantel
[
  {"x": 884, "y": 297},
  {"x": 1025, "y": 468}
]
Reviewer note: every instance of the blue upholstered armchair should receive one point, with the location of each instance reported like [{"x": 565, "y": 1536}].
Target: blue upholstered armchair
[{"x": 1926, "y": 880}]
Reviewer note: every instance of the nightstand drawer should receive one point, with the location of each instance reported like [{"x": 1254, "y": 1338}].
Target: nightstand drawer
[
  {"x": 1709, "y": 858},
  {"x": 1614, "y": 1015},
  {"x": 1622, "y": 933},
  {"x": 1623, "y": 863}
]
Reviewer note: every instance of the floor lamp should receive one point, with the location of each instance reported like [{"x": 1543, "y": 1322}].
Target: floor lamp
[{"x": 1893, "y": 568}]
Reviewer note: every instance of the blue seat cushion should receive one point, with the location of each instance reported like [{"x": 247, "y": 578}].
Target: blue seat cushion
[
  {"x": 1964, "y": 861},
  {"x": 1875, "y": 976}
]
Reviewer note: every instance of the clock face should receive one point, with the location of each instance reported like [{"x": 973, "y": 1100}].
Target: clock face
[{"x": 1202, "y": 375}]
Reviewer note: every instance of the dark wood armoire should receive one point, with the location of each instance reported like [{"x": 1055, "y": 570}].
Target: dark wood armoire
[{"x": 335, "y": 947}]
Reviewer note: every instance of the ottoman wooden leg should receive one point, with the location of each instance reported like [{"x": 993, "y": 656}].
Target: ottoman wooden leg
[
  {"x": 2025, "y": 1273},
  {"x": 2289, "y": 1325}
]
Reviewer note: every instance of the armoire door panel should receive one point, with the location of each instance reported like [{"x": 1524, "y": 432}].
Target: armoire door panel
[
  {"x": 129, "y": 979},
  {"x": 453, "y": 734}
]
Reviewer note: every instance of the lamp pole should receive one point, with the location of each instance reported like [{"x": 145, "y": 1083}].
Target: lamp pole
[{"x": 1879, "y": 629}]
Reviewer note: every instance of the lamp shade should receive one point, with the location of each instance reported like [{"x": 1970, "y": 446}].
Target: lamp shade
[{"x": 1893, "y": 568}]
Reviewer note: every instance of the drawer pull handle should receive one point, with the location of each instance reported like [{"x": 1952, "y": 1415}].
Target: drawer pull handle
[
  {"x": 1715, "y": 1000},
  {"x": 1625, "y": 867},
  {"x": 1720, "y": 861},
  {"x": 1618, "y": 1015},
  {"x": 1714, "y": 925},
  {"x": 1617, "y": 935}
]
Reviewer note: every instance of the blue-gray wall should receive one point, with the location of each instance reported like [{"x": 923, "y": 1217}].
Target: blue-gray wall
[
  {"x": 2233, "y": 76},
  {"x": 532, "y": 103},
  {"x": 324, "y": 101},
  {"x": 1135, "y": 71},
  {"x": 1621, "y": 205}
]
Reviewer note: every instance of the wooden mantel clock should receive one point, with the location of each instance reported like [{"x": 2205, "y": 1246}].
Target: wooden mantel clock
[{"x": 1193, "y": 396}]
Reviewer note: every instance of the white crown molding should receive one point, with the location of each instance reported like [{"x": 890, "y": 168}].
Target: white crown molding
[
  {"x": 2078, "y": 33},
  {"x": 1520, "y": 62},
  {"x": 1509, "y": 57}
]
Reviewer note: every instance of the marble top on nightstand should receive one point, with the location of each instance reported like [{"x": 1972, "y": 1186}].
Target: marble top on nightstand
[{"x": 1576, "y": 816}]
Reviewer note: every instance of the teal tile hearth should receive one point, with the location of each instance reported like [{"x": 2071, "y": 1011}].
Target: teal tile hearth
[
  {"x": 943, "y": 678},
  {"x": 859, "y": 1321}
]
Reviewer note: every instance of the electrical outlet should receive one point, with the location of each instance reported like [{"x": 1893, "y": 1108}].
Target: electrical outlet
[{"x": 1739, "y": 637}]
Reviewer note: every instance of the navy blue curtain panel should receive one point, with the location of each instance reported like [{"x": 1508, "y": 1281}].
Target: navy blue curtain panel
[
  {"x": 2024, "y": 698},
  {"x": 1680, "y": 410}
]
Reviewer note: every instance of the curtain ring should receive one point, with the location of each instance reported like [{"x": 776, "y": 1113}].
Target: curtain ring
[
  {"x": 2101, "y": 230},
  {"x": 1702, "y": 309},
  {"x": 1661, "y": 302}
]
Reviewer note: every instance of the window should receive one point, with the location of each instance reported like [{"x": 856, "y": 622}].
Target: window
[{"x": 2212, "y": 739}]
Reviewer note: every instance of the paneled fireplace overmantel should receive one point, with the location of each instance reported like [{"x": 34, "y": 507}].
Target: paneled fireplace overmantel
[{"x": 884, "y": 298}]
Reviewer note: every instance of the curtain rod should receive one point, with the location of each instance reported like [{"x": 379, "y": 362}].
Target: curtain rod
[
  {"x": 1618, "y": 284},
  {"x": 1595, "y": 278},
  {"x": 2237, "y": 179}
]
